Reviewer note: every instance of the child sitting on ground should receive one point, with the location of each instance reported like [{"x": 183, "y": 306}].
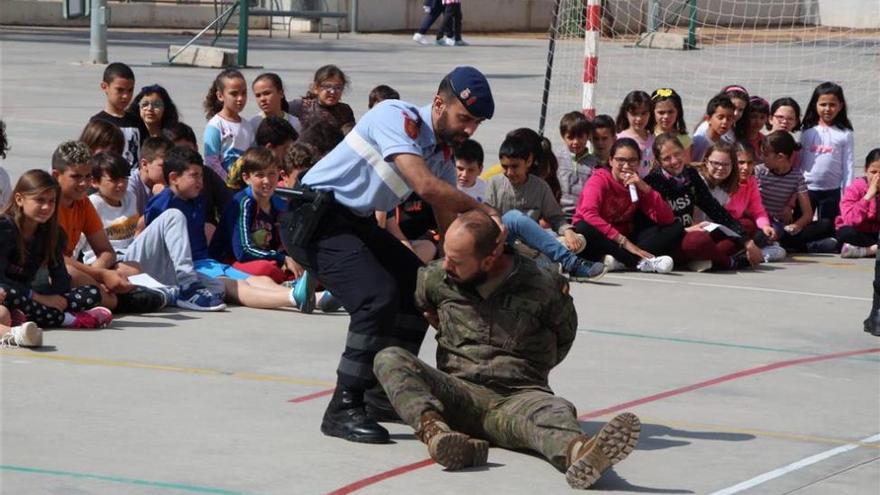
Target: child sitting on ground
[
  {"x": 25, "y": 334},
  {"x": 602, "y": 139},
  {"x": 274, "y": 134},
  {"x": 576, "y": 163},
  {"x": 523, "y": 199},
  {"x": 468, "y": 167},
  {"x": 381, "y": 92},
  {"x": 859, "y": 222},
  {"x": 719, "y": 120}
]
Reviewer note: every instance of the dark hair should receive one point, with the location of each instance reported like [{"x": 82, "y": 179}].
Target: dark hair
[
  {"x": 544, "y": 163},
  {"x": 515, "y": 147},
  {"x": 212, "y": 105},
  {"x": 668, "y": 94},
  {"x": 4, "y": 144},
  {"x": 786, "y": 101},
  {"x": 731, "y": 183},
  {"x": 275, "y": 79},
  {"x": 574, "y": 124},
  {"x": 102, "y": 134},
  {"x": 625, "y": 143},
  {"x": 662, "y": 139},
  {"x": 275, "y": 131},
  {"x": 782, "y": 142},
  {"x": 117, "y": 70},
  {"x": 256, "y": 159},
  {"x": 735, "y": 91},
  {"x": 169, "y": 115},
  {"x": 180, "y": 131},
  {"x": 300, "y": 156},
  {"x": 382, "y": 93},
  {"x": 32, "y": 183},
  {"x": 178, "y": 159},
  {"x": 745, "y": 147},
  {"x": 445, "y": 90},
  {"x": 70, "y": 153},
  {"x": 811, "y": 116},
  {"x": 152, "y": 147},
  {"x": 634, "y": 100},
  {"x": 322, "y": 74},
  {"x": 719, "y": 100},
  {"x": 604, "y": 121},
  {"x": 111, "y": 164},
  {"x": 873, "y": 156},
  {"x": 470, "y": 151},
  {"x": 756, "y": 105},
  {"x": 323, "y": 135},
  {"x": 484, "y": 231}
]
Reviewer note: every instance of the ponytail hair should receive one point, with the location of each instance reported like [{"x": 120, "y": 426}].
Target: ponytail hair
[
  {"x": 782, "y": 142},
  {"x": 212, "y": 105},
  {"x": 275, "y": 79}
]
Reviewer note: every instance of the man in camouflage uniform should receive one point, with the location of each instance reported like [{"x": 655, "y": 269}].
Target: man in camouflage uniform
[{"x": 503, "y": 323}]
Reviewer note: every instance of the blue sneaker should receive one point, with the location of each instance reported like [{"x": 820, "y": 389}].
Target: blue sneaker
[
  {"x": 303, "y": 293},
  {"x": 587, "y": 271},
  {"x": 329, "y": 303},
  {"x": 197, "y": 298}
]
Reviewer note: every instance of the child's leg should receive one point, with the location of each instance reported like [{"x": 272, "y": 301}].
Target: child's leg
[
  {"x": 531, "y": 234},
  {"x": 43, "y": 316},
  {"x": 700, "y": 246},
  {"x": 129, "y": 268},
  {"x": 80, "y": 279},
  {"x": 456, "y": 21},
  {"x": 163, "y": 250},
  {"x": 660, "y": 239},
  {"x": 598, "y": 246},
  {"x": 5, "y": 319},
  {"x": 255, "y": 296},
  {"x": 826, "y": 203},
  {"x": 850, "y": 235},
  {"x": 82, "y": 298},
  {"x": 266, "y": 268}
]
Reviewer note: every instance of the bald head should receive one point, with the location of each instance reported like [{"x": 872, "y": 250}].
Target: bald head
[{"x": 481, "y": 230}]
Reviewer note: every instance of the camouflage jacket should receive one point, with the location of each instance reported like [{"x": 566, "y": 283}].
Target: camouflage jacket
[{"x": 509, "y": 341}]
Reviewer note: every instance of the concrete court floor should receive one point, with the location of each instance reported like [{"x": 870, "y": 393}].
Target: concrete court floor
[{"x": 734, "y": 375}]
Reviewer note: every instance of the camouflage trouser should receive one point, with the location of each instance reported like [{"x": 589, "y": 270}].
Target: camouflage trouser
[{"x": 530, "y": 419}]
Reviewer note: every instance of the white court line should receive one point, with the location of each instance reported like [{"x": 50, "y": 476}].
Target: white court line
[
  {"x": 776, "y": 473},
  {"x": 741, "y": 287}
]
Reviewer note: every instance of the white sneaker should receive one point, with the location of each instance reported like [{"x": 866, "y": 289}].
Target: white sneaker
[
  {"x": 657, "y": 264},
  {"x": 28, "y": 334},
  {"x": 612, "y": 264},
  {"x": 421, "y": 39},
  {"x": 446, "y": 41},
  {"x": 699, "y": 266},
  {"x": 850, "y": 251},
  {"x": 580, "y": 237},
  {"x": 772, "y": 253}
]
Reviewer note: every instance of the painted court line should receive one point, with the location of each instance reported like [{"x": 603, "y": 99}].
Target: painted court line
[
  {"x": 740, "y": 287},
  {"x": 125, "y": 481},
  {"x": 316, "y": 395},
  {"x": 794, "y": 466},
  {"x": 161, "y": 367},
  {"x": 357, "y": 485}
]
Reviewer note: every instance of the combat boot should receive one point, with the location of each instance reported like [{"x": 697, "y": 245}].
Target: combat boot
[
  {"x": 450, "y": 449},
  {"x": 589, "y": 457},
  {"x": 346, "y": 418}
]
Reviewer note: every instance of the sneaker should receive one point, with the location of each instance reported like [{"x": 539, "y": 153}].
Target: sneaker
[
  {"x": 462, "y": 43},
  {"x": 826, "y": 245},
  {"x": 587, "y": 271},
  {"x": 421, "y": 39},
  {"x": 657, "y": 264},
  {"x": 589, "y": 457},
  {"x": 171, "y": 294},
  {"x": 741, "y": 261},
  {"x": 613, "y": 265},
  {"x": 329, "y": 303},
  {"x": 197, "y": 297},
  {"x": 699, "y": 266},
  {"x": 446, "y": 42},
  {"x": 141, "y": 300},
  {"x": 97, "y": 317},
  {"x": 303, "y": 293},
  {"x": 774, "y": 252},
  {"x": 28, "y": 334},
  {"x": 580, "y": 237},
  {"x": 850, "y": 251}
]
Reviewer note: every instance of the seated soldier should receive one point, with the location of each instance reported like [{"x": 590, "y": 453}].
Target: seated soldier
[{"x": 502, "y": 325}]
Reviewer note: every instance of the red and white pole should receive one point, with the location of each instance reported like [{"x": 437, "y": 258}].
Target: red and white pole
[{"x": 593, "y": 30}]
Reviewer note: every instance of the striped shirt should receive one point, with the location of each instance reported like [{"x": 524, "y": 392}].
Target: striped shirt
[{"x": 777, "y": 190}]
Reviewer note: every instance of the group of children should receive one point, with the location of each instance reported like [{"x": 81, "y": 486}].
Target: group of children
[{"x": 132, "y": 218}]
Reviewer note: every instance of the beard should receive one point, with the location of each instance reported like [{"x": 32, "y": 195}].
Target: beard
[
  {"x": 472, "y": 282},
  {"x": 448, "y": 137}
]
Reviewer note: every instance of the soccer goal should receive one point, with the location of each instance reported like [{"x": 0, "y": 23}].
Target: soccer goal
[{"x": 601, "y": 50}]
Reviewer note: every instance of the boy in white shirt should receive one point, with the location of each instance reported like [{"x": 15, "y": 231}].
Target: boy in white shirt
[{"x": 468, "y": 167}]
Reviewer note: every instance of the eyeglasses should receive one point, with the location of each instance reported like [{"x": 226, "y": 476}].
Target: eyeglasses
[
  {"x": 155, "y": 105},
  {"x": 336, "y": 88},
  {"x": 715, "y": 164},
  {"x": 625, "y": 161},
  {"x": 783, "y": 118}
]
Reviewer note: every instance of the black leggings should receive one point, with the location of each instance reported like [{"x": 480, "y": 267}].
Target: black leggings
[
  {"x": 850, "y": 235},
  {"x": 78, "y": 299},
  {"x": 451, "y": 21},
  {"x": 655, "y": 239}
]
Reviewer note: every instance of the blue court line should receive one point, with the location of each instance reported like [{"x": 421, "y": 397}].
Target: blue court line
[
  {"x": 681, "y": 340},
  {"x": 125, "y": 481}
]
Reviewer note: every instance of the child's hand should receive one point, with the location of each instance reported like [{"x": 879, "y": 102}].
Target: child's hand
[
  {"x": 293, "y": 267},
  {"x": 573, "y": 242},
  {"x": 754, "y": 254},
  {"x": 116, "y": 282},
  {"x": 2, "y": 295},
  {"x": 57, "y": 302},
  {"x": 696, "y": 227},
  {"x": 793, "y": 229},
  {"x": 769, "y": 231},
  {"x": 873, "y": 185}
]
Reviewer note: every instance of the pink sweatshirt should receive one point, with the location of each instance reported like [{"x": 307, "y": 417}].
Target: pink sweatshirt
[
  {"x": 746, "y": 202},
  {"x": 605, "y": 204},
  {"x": 855, "y": 211}
]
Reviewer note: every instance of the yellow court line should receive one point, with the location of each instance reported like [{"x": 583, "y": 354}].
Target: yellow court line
[
  {"x": 762, "y": 433},
  {"x": 174, "y": 369},
  {"x": 846, "y": 265}
]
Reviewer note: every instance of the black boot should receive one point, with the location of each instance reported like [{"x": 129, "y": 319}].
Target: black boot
[
  {"x": 872, "y": 322},
  {"x": 346, "y": 418},
  {"x": 379, "y": 407}
]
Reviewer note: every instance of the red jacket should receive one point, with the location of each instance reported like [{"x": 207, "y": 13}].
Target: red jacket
[
  {"x": 605, "y": 204},
  {"x": 855, "y": 211}
]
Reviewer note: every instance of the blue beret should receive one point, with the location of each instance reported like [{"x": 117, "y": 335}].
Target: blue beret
[{"x": 472, "y": 89}]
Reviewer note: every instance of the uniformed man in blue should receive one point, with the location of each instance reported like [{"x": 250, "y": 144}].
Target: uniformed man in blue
[{"x": 394, "y": 150}]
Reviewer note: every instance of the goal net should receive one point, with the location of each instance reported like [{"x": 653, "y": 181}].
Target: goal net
[{"x": 773, "y": 48}]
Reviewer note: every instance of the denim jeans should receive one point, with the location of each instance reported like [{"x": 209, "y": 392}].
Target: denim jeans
[{"x": 530, "y": 233}]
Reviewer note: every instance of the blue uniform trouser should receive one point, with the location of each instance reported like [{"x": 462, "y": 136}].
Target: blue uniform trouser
[
  {"x": 529, "y": 232},
  {"x": 374, "y": 276}
]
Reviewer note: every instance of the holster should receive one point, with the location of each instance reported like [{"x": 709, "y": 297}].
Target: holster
[{"x": 307, "y": 208}]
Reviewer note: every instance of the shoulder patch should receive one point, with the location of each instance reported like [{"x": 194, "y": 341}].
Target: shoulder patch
[{"x": 411, "y": 126}]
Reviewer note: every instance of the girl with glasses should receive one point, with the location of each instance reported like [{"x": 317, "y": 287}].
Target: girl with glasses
[
  {"x": 323, "y": 101},
  {"x": 153, "y": 105}
]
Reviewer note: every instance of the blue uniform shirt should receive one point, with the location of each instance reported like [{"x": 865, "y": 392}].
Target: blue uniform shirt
[
  {"x": 361, "y": 171},
  {"x": 192, "y": 209}
]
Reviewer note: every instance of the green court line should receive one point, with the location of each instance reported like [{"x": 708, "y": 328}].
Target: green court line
[
  {"x": 682, "y": 340},
  {"x": 125, "y": 481}
]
